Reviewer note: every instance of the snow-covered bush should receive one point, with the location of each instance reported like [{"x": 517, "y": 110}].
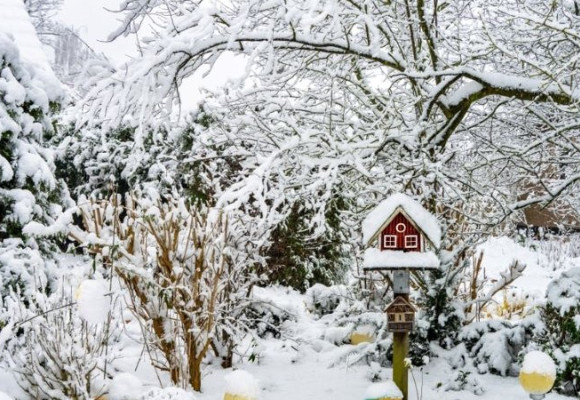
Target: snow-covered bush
[
  {"x": 92, "y": 159},
  {"x": 29, "y": 191},
  {"x": 464, "y": 380},
  {"x": 561, "y": 316},
  {"x": 170, "y": 393},
  {"x": 494, "y": 346},
  {"x": 202, "y": 164},
  {"x": 324, "y": 300},
  {"x": 187, "y": 271},
  {"x": 22, "y": 270},
  {"x": 352, "y": 316},
  {"x": 54, "y": 353},
  {"x": 299, "y": 257},
  {"x": 267, "y": 315},
  {"x": 28, "y": 188}
]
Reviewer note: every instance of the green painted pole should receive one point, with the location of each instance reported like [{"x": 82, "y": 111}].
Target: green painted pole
[
  {"x": 400, "y": 352},
  {"x": 401, "y": 288}
]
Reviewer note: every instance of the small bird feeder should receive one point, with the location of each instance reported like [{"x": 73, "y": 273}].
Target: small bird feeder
[{"x": 400, "y": 315}]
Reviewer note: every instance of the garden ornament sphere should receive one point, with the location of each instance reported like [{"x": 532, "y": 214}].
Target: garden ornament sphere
[{"x": 538, "y": 374}]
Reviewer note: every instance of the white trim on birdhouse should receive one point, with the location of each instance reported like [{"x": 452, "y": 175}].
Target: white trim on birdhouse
[
  {"x": 390, "y": 241},
  {"x": 386, "y": 210},
  {"x": 411, "y": 241}
]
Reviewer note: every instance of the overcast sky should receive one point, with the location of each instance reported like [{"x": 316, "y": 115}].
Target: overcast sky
[{"x": 95, "y": 23}]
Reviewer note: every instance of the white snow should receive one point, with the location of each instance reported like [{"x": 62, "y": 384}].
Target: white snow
[
  {"x": 4, "y": 396},
  {"x": 92, "y": 301},
  {"x": 540, "y": 363},
  {"x": 377, "y": 218},
  {"x": 34, "y": 166},
  {"x": 298, "y": 365},
  {"x": 170, "y": 393},
  {"x": 5, "y": 333},
  {"x": 375, "y": 258},
  {"x": 125, "y": 386},
  {"x": 24, "y": 204},
  {"x": 242, "y": 383},
  {"x": 6, "y": 171},
  {"x": 17, "y": 23},
  {"x": 383, "y": 389},
  {"x": 564, "y": 293},
  {"x": 544, "y": 261}
]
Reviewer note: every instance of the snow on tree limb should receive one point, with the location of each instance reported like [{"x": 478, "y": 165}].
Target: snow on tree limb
[{"x": 402, "y": 95}]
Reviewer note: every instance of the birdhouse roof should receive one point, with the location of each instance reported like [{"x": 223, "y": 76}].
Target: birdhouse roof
[
  {"x": 399, "y": 304},
  {"x": 384, "y": 212}
]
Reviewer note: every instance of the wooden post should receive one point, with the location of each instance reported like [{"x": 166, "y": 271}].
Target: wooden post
[
  {"x": 400, "y": 352},
  {"x": 401, "y": 288}
]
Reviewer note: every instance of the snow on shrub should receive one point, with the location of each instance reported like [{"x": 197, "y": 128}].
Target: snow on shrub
[
  {"x": 494, "y": 345},
  {"x": 22, "y": 269},
  {"x": 325, "y": 299},
  {"x": 272, "y": 307},
  {"x": 56, "y": 354},
  {"x": 170, "y": 393},
  {"x": 464, "y": 380},
  {"x": 92, "y": 301},
  {"x": 354, "y": 317},
  {"x": 28, "y": 188},
  {"x": 561, "y": 338},
  {"x": 186, "y": 270}
]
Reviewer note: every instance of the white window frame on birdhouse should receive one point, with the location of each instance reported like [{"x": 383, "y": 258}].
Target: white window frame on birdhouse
[
  {"x": 400, "y": 227},
  {"x": 411, "y": 241},
  {"x": 390, "y": 241}
]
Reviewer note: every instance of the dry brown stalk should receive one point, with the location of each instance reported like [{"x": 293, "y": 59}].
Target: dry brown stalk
[{"x": 182, "y": 290}]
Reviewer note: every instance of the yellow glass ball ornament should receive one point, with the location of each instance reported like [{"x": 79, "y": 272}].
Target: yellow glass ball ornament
[{"x": 538, "y": 374}]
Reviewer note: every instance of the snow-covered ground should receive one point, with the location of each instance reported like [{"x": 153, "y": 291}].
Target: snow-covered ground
[
  {"x": 305, "y": 362},
  {"x": 544, "y": 261}
]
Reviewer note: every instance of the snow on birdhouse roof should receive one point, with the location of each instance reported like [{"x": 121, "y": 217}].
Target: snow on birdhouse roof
[
  {"x": 379, "y": 217},
  {"x": 394, "y": 259},
  {"x": 16, "y": 23}
]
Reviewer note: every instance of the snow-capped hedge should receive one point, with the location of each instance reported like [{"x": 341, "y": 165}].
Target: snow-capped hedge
[{"x": 562, "y": 336}]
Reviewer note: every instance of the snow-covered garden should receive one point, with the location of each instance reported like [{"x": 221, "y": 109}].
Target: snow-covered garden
[{"x": 241, "y": 246}]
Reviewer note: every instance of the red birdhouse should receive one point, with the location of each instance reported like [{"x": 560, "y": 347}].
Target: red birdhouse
[{"x": 401, "y": 234}]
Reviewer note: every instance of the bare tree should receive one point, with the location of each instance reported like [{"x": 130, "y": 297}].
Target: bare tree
[{"x": 187, "y": 278}]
